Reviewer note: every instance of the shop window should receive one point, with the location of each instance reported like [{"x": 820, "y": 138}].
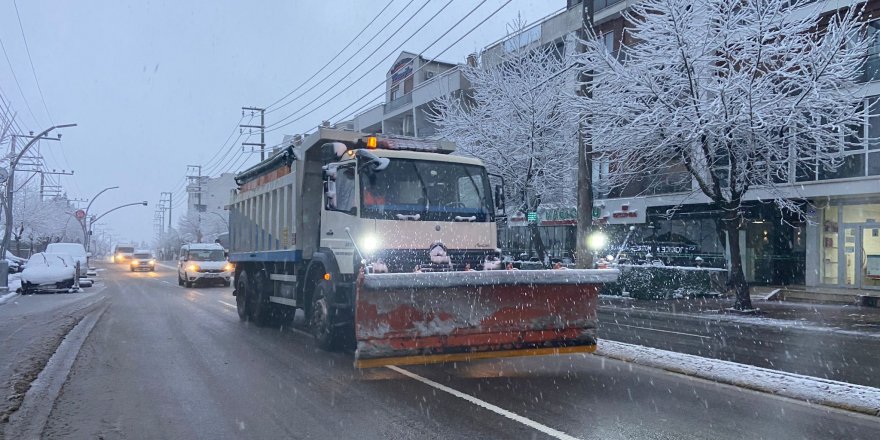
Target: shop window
[
  {"x": 869, "y": 213},
  {"x": 829, "y": 245}
]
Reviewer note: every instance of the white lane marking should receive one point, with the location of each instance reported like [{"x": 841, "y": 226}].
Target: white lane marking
[
  {"x": 166, "y": 282},
  {"x": 227, "y": 304},
  {"x": 197, "y": 293},
  {"x": 658, "y": 330},
  {"x": 486, "y": 405}
]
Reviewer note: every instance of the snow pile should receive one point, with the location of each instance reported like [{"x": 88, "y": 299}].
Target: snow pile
[
  {"x": 14, "y": 285},
  {"x": 842, "y": 395}
]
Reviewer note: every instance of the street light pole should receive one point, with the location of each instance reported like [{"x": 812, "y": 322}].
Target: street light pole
[
  {"x": 10, "y": 183},
  {"x": 86, "y": 224}
]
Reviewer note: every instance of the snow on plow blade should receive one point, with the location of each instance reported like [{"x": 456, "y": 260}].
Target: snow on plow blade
[{"x": 420, "y": 318}]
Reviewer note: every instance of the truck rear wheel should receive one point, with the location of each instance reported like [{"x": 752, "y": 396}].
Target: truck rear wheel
[
  {"x": 320, "y": 319},
  {"x": 242, "y": 290},
  {"x": 261, "y": 308}
]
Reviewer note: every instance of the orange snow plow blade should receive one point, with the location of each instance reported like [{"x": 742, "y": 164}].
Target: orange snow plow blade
[{"x": 422, "y": 318}]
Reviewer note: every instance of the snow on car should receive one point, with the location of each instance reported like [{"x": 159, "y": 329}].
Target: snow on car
[
  {"x": 75, "y": 250},
  {"x": 45, "y": 271}
]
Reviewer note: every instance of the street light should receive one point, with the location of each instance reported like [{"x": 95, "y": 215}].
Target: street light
[
  {"x": 86, "y": 226},
  {"x": 118, "y": 207}
]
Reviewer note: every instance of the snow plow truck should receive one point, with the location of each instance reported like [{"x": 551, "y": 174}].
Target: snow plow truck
[{"x": 391, "y": 242}]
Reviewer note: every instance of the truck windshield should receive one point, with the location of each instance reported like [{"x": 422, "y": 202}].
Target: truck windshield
[{"x": 432, "y": 190}]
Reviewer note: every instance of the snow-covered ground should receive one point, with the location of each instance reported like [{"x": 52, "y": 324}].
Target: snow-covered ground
[{"x": 843, "y": 395}]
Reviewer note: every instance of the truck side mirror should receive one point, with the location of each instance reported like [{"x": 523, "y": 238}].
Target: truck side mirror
[
  {"x": 332, "y": 151},
  {"x": 499, "y": 197}
]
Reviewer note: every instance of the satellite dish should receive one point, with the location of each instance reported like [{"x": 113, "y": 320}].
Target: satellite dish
[{"x": 3, "y": 175}]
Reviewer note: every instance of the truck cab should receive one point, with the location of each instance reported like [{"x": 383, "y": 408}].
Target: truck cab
[{"x": 406, "y": 211}]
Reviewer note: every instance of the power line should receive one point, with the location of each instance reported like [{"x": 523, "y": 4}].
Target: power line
[
  {"x": 15, "y": 77},
  {"x": 367, "y": 72},
  {"x": 338, "y": 53},
  {"x": 33, "y": 70}
]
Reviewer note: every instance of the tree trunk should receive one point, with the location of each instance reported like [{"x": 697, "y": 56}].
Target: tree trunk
[
  {"x": 537, "y": 242},
  {"x": 737, "y": 279}
]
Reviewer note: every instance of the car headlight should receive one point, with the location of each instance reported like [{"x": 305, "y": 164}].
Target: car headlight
[
  {"x": 134, "y": 262},
  {"x": 370, "y": 243},
  {"x": 228, "y": 267},
  {"x": 152, "y": 261},
  {"x": 193, "y": 268}
]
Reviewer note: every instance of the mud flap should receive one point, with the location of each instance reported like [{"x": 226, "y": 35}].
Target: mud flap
[{"x": 420, "y": 318}]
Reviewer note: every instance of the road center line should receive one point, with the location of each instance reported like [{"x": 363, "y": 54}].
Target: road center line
[
  {"x": 486, "y": 405},
  {"x": 227, "y": 304},
  {"x": 658, "y": 330}
]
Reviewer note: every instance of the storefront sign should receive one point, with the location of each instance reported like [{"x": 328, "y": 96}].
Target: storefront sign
[{"x": 622, "y": 213}]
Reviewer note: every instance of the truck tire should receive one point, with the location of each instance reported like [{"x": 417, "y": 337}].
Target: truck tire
[
  {"x": 261, "y": 308},
  {"x": 242, "y": 291},
  {"x": 320, "y": 319}
]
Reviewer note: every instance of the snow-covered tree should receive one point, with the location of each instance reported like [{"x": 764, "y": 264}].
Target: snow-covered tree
[
  {"x": 201, "y": 227},
  {"x": 516, "y": 119},
  {"x": 729, "y": 92}
]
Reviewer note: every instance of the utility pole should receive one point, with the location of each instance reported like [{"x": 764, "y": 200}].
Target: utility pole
[
  {"x": 585, "y": 153},
  {"x": 167, "y": 204},
  {"x": 261, "y": 127},
  {"x": 198, "y": 191},
  {"x": 56, "y": 188}
]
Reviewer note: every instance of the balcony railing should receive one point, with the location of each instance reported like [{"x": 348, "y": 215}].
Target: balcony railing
[{"x": 398, "y": 103}]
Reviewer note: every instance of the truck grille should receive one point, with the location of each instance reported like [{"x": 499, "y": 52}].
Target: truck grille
[{"x": 406, "y": 260}]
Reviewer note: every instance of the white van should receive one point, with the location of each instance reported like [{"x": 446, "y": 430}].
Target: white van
[{"x": 203, "y": 262}]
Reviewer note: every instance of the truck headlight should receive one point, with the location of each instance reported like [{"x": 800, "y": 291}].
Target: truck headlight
[
  {"x": 370, "y": 243},
  {"x": 597, "y": 241}
]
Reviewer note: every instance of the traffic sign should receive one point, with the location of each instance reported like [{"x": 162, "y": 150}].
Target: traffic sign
[{"x": 80, "y": 214}]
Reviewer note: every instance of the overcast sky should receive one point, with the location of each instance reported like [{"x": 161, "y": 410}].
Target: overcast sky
[{"x": 158, "y": 85}]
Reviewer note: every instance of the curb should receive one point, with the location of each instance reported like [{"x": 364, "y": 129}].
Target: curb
[
  {"x": 857, "y": 398},
  {"x": 8, "y": 297}
]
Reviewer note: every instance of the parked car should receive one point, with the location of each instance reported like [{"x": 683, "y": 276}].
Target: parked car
[
  {"x": 75, "y": 250},
  {"x": 203, "y": 262},
  {"x": 48, "y": 271},
  {"x": 143, "y": 260},
  {"x": 16, "y": 264}
]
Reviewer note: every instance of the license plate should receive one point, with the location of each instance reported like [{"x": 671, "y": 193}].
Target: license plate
[{"x": 210, "y": 275}]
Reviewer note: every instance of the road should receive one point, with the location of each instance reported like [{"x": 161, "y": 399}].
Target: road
[
  {"x": 169, "y": 362},
  {"x": 844, "y": 356}
]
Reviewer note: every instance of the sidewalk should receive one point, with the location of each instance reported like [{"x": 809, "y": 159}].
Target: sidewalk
[{"x": 844, "y": 317}]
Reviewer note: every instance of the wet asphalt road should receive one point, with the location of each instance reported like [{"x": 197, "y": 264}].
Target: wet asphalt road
[
  {"x": 813, "y": 351},
  {"x": 168, "y": 362}
]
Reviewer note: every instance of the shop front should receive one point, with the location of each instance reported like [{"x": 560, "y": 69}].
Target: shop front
[
  {"x": 850, "y": 245},
  {"x": 773, "y": 243}
]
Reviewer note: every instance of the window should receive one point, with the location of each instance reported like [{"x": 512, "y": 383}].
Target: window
[
  {"x": 345, "y": 193},
  {"x": 871, "y": 68}
]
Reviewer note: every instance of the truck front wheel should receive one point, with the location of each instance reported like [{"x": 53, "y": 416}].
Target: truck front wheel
[
  {"x": 242, "y": 290},
  {"x": 320, "y": 319}
]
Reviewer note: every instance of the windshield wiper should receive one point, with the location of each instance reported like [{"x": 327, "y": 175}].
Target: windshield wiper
[{"x": 424, "y": 187}]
